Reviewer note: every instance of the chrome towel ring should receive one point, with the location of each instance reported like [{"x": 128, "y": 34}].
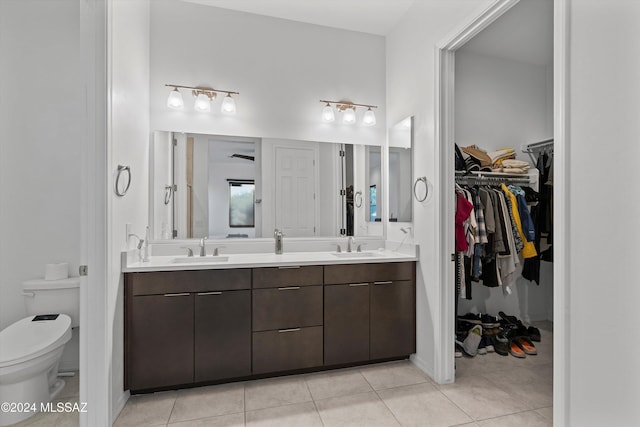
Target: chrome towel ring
[
  {"x": 422, "y": 179},
  {"x": 121, "y": 170}
]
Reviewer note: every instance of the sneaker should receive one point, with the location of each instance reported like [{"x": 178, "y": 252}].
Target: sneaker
[
  {"x": 501, "y": 347},
  {"x": 472, "y": 318},
  {"x": 482, "y": 346},
  {"x": 515, "y": 350},
  {"x": 489, "y": 321},
  {"x": 470, "y": 344},
  {"x": 458, "y": 351}
]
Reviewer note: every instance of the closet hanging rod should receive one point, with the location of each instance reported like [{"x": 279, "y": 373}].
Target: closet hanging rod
[{"x": 492, "y": 180}]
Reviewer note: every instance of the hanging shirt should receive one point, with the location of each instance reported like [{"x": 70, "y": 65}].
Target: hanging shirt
[
  {"x": 463, "y": 210},
  {"x": 528, "y": 250}
]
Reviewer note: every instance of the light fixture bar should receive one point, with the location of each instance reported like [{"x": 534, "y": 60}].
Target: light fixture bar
[
  {"x": 204, "y": 89},
  {"x": 346, "y": 103}
]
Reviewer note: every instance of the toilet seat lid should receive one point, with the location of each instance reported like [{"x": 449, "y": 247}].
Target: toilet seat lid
[{"x": 27, "y": 338}]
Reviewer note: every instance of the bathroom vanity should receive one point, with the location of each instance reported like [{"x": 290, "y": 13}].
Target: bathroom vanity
[{"x": 212, "y": 322}]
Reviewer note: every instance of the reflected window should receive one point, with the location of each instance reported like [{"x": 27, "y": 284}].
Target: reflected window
[
  {"x": 241, "y": 203},
  {"x": 373, "y": 204}
]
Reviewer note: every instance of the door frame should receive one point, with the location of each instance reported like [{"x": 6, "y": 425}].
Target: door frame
[{"x": 444, "y": 325}]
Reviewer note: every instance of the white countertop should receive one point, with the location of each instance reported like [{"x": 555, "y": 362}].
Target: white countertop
[{"x": 250, "y": 260}]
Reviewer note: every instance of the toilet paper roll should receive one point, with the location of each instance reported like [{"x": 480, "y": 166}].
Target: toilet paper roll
[{"x": 56, "y": 271}]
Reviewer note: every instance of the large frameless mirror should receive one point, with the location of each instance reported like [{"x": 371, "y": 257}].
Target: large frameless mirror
[
  {"x": 235, "y": 187},
  {"x": 400, "y": 171}
]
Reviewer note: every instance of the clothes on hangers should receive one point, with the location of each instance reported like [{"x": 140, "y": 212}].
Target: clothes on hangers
[{"x": 493, "y": 229}]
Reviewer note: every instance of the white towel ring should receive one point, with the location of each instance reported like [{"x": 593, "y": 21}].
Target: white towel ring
[
  {"x": 358, "y": 199},
  {"x": 121, "y": 170},
  {"x": 422, "y": 179}
]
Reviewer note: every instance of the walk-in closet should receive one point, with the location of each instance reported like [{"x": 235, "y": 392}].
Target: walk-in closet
[{"x": 504, "y": 203}]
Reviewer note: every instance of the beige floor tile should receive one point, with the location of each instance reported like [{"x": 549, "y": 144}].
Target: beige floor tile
[
  {"x": 546, "y": 412},
  {"x": 422, "y": 405},
  {"x": 527, "y": 386},
  {"x": 480, "y": 398},
  {"x": 276, "y": 392},
  {"x": 39, "y": 420},
  {"x": 522, "y": 419},
  {"x": 71, "y": 387},
  {"x": 147, "y": 410},
  {"x": 203, "y": 402},
  {"x": 389, "y": 375},
  {"x": 71, "y": 418},
  {"x": 338, "y": 383},
  {"x": 297, "y": 415},
  {"x": 366, "y": 410},
  {"x": 232, "y": 420}
]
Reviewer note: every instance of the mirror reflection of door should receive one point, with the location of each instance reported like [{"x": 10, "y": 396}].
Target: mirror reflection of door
[{"x": 296, "y": 191}]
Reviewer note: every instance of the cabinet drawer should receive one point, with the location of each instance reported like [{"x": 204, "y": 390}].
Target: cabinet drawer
[
  {"x": 272, "y": 277},
  {"x": 287, "y": 307},
  {"x": 286, "y": 350},
  {"x": 373, "y": 272},
  {"x": 155, "y": 283}
]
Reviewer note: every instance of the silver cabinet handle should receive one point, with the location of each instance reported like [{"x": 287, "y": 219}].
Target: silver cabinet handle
[
  {"x": 288, "y": 330},
  {"x": 289, "y": 288},
  {"x": 209, "y": 293},
  {"x": 288, "y": 267},
  {"x": 353, "y": 285},
  {"x": 177, "y": 295},
  {"x": 383, "y": 283}
]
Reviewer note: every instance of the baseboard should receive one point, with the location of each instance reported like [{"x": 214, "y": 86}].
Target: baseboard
[{"x": 119, "y": 405}]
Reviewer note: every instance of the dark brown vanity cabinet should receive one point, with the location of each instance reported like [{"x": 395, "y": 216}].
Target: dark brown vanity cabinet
[
  {"x": 346, "y": 323},
  {"x": 183, "y": 327},
  {"x": 287, "y": 318},
  {"x": 370, "y": 312}
]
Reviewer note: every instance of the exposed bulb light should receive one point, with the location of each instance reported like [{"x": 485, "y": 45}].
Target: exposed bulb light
[
  {"x": 328, "y": 115},
  {"x": 203, "y": 103},
  {"x": 228, "y": 105},
  {"x": 369, "y": 118},
  {"x": 349, "y": 116},
  {"x": 175, "y": 101}
]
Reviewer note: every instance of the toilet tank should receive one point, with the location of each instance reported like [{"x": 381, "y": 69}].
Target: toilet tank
[{"x": 52, "y": 297}]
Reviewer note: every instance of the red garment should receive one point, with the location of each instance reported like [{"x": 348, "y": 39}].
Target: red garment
[{"x": 463, "y": 210}]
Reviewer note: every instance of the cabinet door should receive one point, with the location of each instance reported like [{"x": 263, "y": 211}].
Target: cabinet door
[
  {"x": 287, "y": 307},
  {"x": 222, "y": 335},
  {"x": 346, "y": 323},
  {"x": 160, "y": 341},
  {"x": 393, "y": 319}
]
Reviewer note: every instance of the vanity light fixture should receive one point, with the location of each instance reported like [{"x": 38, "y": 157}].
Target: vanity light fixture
[
  {"x": 348, "y": 110},
  {"x": 203, "y": 97}
]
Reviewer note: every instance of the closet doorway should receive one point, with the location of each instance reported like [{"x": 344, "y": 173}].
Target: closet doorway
[{"x": 503, "y": 97}]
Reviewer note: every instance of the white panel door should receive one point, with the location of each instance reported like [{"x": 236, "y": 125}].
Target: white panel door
[{"x": 295, "y": 191}]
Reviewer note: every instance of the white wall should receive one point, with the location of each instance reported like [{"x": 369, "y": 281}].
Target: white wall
[
  {"x": 501, "y": 102},
  {"x": 410, "y": 91},
  {"x": 40, "y": 146},
  {"x": 129, "y": 145},
  {"x": 161, "y": 153},
  {"x": 602, "y": 276},
  {"x": 281, "y": 69},
  {"x": 200, "y": 188}
]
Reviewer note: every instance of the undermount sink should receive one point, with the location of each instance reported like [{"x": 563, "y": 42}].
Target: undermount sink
[
  {"x": 356, "y": 254},
  {"x": 200, "y": 260}
]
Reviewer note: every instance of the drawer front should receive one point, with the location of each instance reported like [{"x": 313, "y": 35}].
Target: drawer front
[
  {"x": 287, "y": 307},
  {"x": 162, "y": 282},
  {"x": 286, "y": 350},
  {"x": 272, "y": 277},
  {"x": 372, "y": 272}
]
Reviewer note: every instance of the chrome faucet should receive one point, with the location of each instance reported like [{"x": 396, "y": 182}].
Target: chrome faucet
[
  {"x": 277, "y": 234},
  {"x": 349, "y": 243},
  {"x": 203, "y": 249}
]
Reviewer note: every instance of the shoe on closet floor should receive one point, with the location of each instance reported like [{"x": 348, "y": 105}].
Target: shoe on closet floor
[
  {"x": 526, "y": 345},
  {"x": 534, "y": 333},
  {"x": 471, "y": 318},
  {"x": 471, "y": 342},
  {"x": 500, "y": 347},
  {"x": 515, "y": 350},
  {"x": 489, "y": 321}
]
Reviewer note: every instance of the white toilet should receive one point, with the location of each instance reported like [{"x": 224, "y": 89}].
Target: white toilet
[{"x": 31, "y": 348}]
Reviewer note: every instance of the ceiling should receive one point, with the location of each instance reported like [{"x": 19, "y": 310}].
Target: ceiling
[
  {"x": 367, "y": 16},
  {"x": 524, "y": 34}
]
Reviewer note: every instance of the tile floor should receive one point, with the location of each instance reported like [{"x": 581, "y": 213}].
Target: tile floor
[{"x": 490, "y": 390}]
